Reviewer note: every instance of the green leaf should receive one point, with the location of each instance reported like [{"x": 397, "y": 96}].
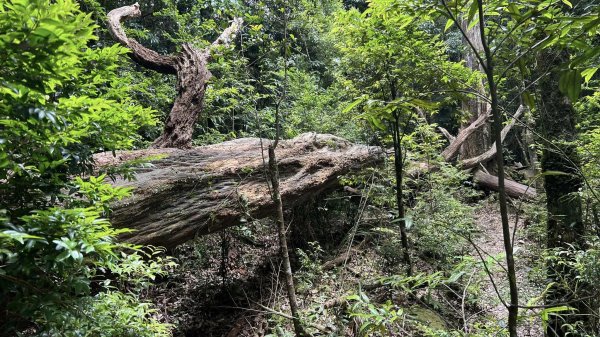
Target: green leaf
[
  {"x": 353, "y": 104},
  {"x": 472, "y": 11},
  {"x": 566, "y": 2},
  {"x": 570, "y": 84},
  {"x": 545, "y": 314},
  {"x": 588, "y": 74},
  {"x": 449, "y": 24}
]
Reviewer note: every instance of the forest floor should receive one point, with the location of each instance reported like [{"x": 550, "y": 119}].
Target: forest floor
[
  {"x": 490, "y": 244},
  {"x": 227, "y": 284}
]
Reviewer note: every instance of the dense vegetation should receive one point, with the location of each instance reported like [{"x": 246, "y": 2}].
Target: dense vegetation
[{"x": 417, "y": 246}]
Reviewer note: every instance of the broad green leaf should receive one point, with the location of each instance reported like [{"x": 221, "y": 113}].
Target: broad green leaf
[
  {"x": 569, "y": 84},
  {"x": 587, "y": 74},
  {"x": 353, "y": 104},
  {"x": 568, "y": 3},
  {"x": 449, "y": 24}
]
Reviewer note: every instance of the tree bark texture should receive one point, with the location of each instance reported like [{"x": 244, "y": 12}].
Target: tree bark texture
[
  {"x": 513, "y": 189},
  {"x": 476, "y": 107},
  {"x": 206, "y": 189},
  {"x": 190, "y": 66},
  {"x": 562, "y": 182}
]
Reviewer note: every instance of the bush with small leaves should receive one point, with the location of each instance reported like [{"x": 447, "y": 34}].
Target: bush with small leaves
[{"x": 62, "y": 270}]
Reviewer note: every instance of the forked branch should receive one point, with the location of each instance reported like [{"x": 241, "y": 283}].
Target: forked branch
[{"x": 190, "y": 66}]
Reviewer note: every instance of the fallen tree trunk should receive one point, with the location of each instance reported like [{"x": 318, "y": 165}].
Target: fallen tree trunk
[
  {"x": 491, "y": 152},
  {"x": 456, "y": 142},
  {"x": 209, "y": 188},
  {"x": 513, "y": 188}
]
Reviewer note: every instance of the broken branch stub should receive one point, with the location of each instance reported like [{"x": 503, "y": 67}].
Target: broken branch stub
[
  {"x": 209, "y": 188},
  {"x": 191, "y": 67}
]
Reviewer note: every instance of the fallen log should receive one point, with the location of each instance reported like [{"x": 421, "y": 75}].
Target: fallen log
[
  {"x": 513, "y": 189},
  {"x": 491, "y": 153},
  {"x": 456, "y": 142},
  {"x": 209, "y": 188}
]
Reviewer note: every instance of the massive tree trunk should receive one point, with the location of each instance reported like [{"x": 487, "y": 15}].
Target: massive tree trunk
[
  {"x": 562, "y": 182},
  {"x": 209, "y": 188},
  {"x": 190, "y": 66}
]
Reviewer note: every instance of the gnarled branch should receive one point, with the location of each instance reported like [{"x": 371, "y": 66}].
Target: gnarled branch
[
  {"x": 143, "y": 56},
  {"x": 190, "y": 66}
]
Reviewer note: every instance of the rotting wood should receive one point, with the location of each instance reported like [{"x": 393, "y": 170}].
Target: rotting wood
[{"x": 209, "y": 188}]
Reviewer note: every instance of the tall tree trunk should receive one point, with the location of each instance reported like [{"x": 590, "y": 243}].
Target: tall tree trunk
[
  {"x": 190, "y": 66},
  {"x": 562, "y": 182},
  {"x": 513, "y": 305},
  {"x": 480, "y": 139}
]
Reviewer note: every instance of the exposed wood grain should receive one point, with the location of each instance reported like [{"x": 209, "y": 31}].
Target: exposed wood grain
[{"x": 209, "y": 188}]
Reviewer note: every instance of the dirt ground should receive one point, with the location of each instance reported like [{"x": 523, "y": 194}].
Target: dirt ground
[{"x": 490, "y": 243}]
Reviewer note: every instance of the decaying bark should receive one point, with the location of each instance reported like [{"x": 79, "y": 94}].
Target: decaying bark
[
  {"x": 513, "y": 188},
  {"x": 190, "y": 66},
  {"x": 209, "y": 188}
]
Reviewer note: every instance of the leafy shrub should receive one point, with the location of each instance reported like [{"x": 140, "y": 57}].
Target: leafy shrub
[
  {"x": 375, "y": 319},
  {"x": 61, "y": 267},
  {"x": 106, "y": 314},
  {"x": 441, "y": 218}
]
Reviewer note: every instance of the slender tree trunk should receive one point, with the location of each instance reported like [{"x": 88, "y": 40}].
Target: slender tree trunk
[
  {"x": 282, "y": 234},
  {"x": 562, "y": 182},
  {"x": 399, "y": 171},
  {"x": 513, "y": 306},
  {"x": 276, "y": 195}
]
